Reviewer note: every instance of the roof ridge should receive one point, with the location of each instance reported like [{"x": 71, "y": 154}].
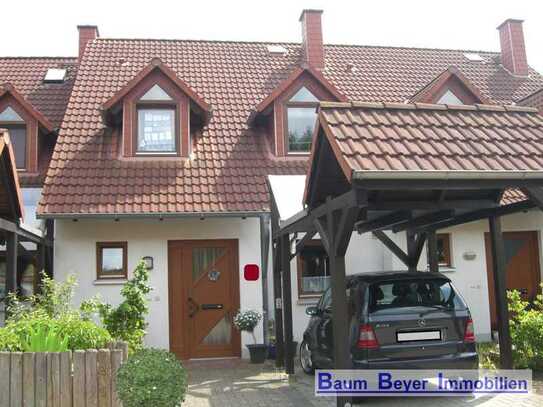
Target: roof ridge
[
  {"x": 295, "y": 43},
  {"x": 38, "y": 57},
  {"x": 427, "y": 106}
]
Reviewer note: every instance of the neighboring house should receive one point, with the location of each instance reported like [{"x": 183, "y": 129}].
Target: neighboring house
[
  {"x": 34, "y": 93},
  {"x": 164, "y": 151}
]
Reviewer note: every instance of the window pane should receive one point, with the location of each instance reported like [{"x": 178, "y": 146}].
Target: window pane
[
  {"x": 10, "y": 115},
  {"x": 449, "y": 98},
  {"x": 204, "y": 259},
  {"x": 17, "y": 135},
  {"x": 315, "y": 275},
  {"x": 156, "y": 130},
  {"x": 301, "y": 121},
  {"x": 112, "y": 261},
  {"x": 304, "y": 95},
  {"x": 156, "y": 93}
]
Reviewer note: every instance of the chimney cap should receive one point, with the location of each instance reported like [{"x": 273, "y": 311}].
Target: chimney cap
[
  {"x": 85, "y": 26},
  {"x": 510, "y": 20},
  {"x": 309, "y": 10}
]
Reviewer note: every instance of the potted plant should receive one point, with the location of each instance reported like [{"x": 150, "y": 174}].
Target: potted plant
[{"x": 247, "y": 321}]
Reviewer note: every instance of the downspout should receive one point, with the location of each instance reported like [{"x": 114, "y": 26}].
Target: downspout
[{"x": 265, "y": 234}]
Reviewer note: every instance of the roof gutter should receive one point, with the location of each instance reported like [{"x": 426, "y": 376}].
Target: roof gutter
[
  {"x": 152, "y": 215},
  {"x": 446, "y": 175}
]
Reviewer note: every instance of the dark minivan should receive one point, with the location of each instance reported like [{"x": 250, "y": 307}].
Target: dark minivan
[{"x": 398, "y": 320}]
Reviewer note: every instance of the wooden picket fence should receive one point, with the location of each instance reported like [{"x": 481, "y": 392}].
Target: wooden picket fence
[{"x": 83, "y": 378}]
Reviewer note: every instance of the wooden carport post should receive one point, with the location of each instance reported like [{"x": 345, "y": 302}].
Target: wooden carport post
[
  {"x": 500, "y": 292},
  {"x": 11, "y": 264},
  {"x": 287, "y": 304},
  {"x": 278, "y": 304},
  {"x": 335, "y": 229}
]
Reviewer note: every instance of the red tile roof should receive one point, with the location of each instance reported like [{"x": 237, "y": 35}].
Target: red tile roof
[
  {"x": 425, "y": 137},
  {"x": 26, "y": 76},
  {"x": 231, "y": 160}
]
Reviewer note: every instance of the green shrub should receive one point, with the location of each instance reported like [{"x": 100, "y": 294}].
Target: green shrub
[
  {"x": 526, "y": 327},
  {"x": 151, "y": 377},
  {"x": 126, "y": 322},
  {"x": 47, "y": 321},
  {"x": 83, "y": 334},
  {"x": 9, "y": 341}
]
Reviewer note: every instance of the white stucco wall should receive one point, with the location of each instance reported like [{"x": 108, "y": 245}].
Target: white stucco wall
[
  {"x": 75, "y": 252},
  {"x": 367, "y": 254}
]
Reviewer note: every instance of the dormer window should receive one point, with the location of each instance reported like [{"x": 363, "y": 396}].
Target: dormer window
[
  {"x": 157, "y": 129},
  {"x": 301, "y": 112},
  {"x": 16, "y": 126},
  {"x": 449, "y": 98}
]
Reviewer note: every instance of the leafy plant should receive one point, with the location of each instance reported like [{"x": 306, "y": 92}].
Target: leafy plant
[
  {"x": 48, "y": 321},
  {"x": 526, "y": 328},
  {"x": 126, "y": 322},
  {"x": 247, "y": 321},
  {"x": 45, "y": 339},
  {"x": 151, "y": 377}
]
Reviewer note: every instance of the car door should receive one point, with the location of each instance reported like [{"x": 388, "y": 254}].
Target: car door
[{"x": 324, "y": 326}]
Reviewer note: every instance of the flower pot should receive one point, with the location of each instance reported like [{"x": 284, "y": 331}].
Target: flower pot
[
  {"x": 258, "y": 353},
  {"x": 272, "y": 350}
]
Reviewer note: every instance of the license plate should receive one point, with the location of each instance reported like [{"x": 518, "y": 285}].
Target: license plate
[{"x": 418, "y": 336}]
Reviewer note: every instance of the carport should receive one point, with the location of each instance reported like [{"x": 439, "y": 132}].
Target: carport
[
  {"x": 409, "y": 168},
  {"x": 15, "y": 236}
]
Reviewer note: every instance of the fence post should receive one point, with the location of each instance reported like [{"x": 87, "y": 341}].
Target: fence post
[
  {"x": 91, "y": 382},
  {"x": 41, "y": 380},
  {"x": 4, "y": 378},
  {"x": 29, "y": 360},
  {"x": 116, "y": 360},
  {"x": 16, "y": 381},
  {"x": 66, "y": 379},
  {"x": 79, "y": 394},
  {"x": 104, "y": 378},
  {"x": 124, "y": 347}
]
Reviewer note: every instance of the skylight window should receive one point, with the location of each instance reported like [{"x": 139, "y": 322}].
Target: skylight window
[
  {"x": 473, "y": 57},
  {"x": 277, "y": 49},
  {"x": 55, "y": 75},
  {"x": 156, "y": 93}
]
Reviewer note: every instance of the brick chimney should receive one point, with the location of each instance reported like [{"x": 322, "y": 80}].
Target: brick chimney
[
  {"x": 312, "y": 46},
  {"x": 513, "y": 51},
  {"x": 86, "y": 33}
]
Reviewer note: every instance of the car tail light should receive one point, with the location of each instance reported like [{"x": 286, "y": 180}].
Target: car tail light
[
  {"x": 469, "y": 333},
  {"x": 367, "y": 338}
]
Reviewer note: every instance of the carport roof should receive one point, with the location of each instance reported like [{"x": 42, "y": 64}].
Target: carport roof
[{"x": 428, "y": 141}]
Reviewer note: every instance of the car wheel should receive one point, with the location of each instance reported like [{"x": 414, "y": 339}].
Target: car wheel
[{"x": 305, "y": 358}]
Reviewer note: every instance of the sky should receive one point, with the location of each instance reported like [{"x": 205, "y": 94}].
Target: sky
[{"x": 50, "y": 27}]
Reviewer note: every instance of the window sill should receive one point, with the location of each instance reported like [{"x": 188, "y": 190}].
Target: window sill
[
  {"x": 309, "y": 300},
  {"x": 110, "y": 281},
  {"x": 446, "y": 269}
]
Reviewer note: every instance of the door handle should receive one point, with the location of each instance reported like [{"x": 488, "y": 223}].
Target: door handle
[{"x": 193, "y": 307}]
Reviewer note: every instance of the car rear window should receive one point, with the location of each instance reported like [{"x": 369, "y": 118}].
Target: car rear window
[{"x": 414, "y": 293}]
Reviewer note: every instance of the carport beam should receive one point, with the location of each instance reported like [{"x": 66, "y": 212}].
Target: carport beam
[{"x": 500, "y": 292}]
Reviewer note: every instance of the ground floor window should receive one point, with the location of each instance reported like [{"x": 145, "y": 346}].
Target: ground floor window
[
  {"x": 444, "y": 249},
  {"x": 313, "y": 269},
  {"x": 111, "y": 260}
]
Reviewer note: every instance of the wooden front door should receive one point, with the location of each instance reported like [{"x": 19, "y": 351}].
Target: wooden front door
[
  {"x": 521, "y": 263},
  {"x": 203, "y": 286}
]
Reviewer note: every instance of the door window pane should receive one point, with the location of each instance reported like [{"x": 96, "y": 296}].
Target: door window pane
[
  {"x": 301, "y": 121},
  {"x": 204, "y": 259},
  {"x": 221, "y": 334},
  {"x": 156, "y": 131}
]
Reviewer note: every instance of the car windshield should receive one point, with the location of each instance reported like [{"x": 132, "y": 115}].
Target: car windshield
[{"x": 429, "y": 293}]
